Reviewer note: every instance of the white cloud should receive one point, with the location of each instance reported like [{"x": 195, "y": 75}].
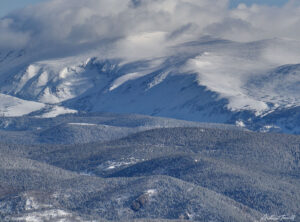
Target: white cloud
[
  {"x": 76, "y": 22},
  {"x": 269, "y": 22},
  {"x": 142, "y": 27}
]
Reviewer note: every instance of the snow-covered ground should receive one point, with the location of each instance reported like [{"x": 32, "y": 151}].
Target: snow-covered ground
[
  {"x": 56, "y": 111},
  {"x": 82, "y": 124},
  {"x": 112, "y": 165},
  {"x": 12, "y": 106}
]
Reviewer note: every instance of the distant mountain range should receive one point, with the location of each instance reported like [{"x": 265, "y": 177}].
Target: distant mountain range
[{"x": 209, "y": 80}]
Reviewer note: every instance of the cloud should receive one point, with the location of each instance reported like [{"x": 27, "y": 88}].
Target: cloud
[
  {"x": 269, "y": 22},
  {"x": 281, "y": 52},
  {"x": 142, "y": 27},
  {"x": 11, "y": 38},
  {"x": 77, "y": 22}
]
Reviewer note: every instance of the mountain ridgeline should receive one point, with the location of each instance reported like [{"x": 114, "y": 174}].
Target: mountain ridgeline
[{"x": 209, "y": 80}]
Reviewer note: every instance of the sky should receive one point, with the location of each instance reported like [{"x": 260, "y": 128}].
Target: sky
[
  {"x": 234, "y": 3},
  {"x": 7, "y": 6}
]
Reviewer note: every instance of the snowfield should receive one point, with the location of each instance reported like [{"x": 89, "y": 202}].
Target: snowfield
[{"x": 12, "y": 106}]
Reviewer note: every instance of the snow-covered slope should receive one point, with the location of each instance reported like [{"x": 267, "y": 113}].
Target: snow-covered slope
[
  {"x": 280, "y": 86},
  {"x": 12, "y": 106},
  {"x": 209, "y": 80}
]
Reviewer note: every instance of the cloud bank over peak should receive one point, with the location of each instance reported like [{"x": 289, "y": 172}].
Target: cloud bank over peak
[{"x": 145, "y": 24}]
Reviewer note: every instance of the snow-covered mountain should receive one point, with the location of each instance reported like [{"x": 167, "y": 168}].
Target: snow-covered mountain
[{"x": 209, "y": 80}]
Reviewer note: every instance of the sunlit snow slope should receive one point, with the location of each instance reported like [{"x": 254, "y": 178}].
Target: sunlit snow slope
[{"x": 12, "y": 106}]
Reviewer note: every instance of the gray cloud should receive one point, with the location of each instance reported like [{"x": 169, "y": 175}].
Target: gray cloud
[
  {"x": 11, "y": 37},
  {"x": 128, "y": 24}
]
